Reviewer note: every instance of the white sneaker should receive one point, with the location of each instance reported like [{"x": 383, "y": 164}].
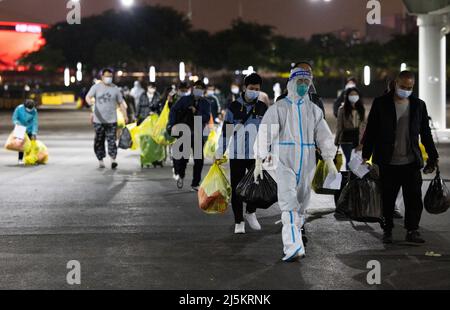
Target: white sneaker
[
  {"x": 252, "y": 221},
  {"x": 20, "y": 162},
  {"x": 101, "y": 164},
  {"x": 239, "y": 228}
]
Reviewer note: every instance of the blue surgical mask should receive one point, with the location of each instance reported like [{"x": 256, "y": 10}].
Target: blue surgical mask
[
  {"x": 251, "y": 94},
  {"x": 302, "y": 89},
  {"x": 404, "y": 93}
]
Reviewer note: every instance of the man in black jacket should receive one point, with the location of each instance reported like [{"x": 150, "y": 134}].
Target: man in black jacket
[{"x": 392, "y": 136}]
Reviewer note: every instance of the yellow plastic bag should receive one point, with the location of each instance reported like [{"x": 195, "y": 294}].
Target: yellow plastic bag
[
  {"x": 17, "y": 145},
  {"x": 36, "y": 154},
  {"x": 146, "y": 127},
  {"x": 159, "y": 132},
  {"x": 134, "y": 133},
  {"x": 120, "y": 119},
  {"x": 211, "y": 145},
  {"x": 215, "y": 191},
  {"x": 321, "y": 174},
  {"x": 424, "y": 152}
]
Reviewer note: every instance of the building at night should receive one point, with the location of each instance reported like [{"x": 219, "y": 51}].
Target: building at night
[{"x": 18, "y": 35}]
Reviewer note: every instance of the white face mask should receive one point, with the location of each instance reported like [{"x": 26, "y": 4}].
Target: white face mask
[
  {"x": 235, "y": 90},
  {"x": 183, "y": 94},
  {"x": 198, "y": 92},
  {"x": 210, "y": 92},
  {"x": 403, "y": 93},
  {"x": 353, "y": 99},
  {"x": 251, "y": 94},
  {"x": 107, "y": 80}
]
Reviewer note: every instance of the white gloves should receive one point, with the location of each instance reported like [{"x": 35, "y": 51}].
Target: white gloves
[
  {"x": 258, "y": 171},
  {"x": 331, "y": 167}
]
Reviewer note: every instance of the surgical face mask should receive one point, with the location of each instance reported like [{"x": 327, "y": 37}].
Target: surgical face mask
[
  {"x": 183, "y": 94},
  {"x": 29, "y": 109},
  {"x": 210, "y": 92},
  {"x": 302, "y": 89},
  {"x": 403, "y": 93},
  {"x": 353, "y": 99},
  {"x": 251, "y": 94},
  {"x": 107, "y": 80},
  {"x": 198, "y": 92},
  {"x": 235, "y": 90}
]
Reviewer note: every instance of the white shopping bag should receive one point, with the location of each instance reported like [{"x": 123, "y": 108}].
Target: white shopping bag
[
  {"x": 333, "y": 181},
  {"x": 19, "y": 132},
  {"x": 357, "y": 166}
]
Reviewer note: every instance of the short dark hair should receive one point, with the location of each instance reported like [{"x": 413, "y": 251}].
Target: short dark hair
[
  {"x": 105, "y": 70},
  {"x": 200, "y": 84},
  {"x": 253, "y": 79},
  {"x": 151, "y": 84},
  {"x": 406, "y": 75},
  {"x": 183, "y": 85}
]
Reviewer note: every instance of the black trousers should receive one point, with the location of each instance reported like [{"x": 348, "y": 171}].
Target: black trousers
[
  {"x": 180, "y": 165},
  {"x": 409, "y": 178},
  {"x": 105, "y": 132},
  {"x": 238, "y": 170}
]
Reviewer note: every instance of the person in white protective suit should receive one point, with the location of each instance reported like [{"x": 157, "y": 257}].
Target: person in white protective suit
[
  {"x": 296, "y": 125},
  {"x": 137, "y": 91}
]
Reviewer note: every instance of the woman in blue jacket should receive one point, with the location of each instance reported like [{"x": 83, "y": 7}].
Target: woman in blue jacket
[{"x": 26, "y": 115}]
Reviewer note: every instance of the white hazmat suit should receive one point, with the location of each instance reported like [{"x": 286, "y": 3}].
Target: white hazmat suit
[{"x": 299, "y": 127}]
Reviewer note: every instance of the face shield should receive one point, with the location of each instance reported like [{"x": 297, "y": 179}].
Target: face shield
[{"x": 299, "y": 83}]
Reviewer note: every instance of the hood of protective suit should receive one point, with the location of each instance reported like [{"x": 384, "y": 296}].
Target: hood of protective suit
[{"x": 297, "y": 74}]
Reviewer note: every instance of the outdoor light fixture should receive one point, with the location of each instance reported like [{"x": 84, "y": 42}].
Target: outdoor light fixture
[
  {"x": 127, "y": 3},
  {"x": 403, "y": 67},
  {"x": 367, "y": 75},
  {"x": 67, "y": 77},
  {"x": 79, "y": 73},
  {"x": 182, "y": 71},
  {"x": 206, "y": 81},
  {"x": 152, "y": 74}
]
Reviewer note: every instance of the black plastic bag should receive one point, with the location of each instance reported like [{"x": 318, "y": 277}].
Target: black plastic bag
[
  {"x": 437, "y": 198},
  {"x": 263, "y": 195},
  {"x": 360, "y": 200},
  {"x": 125, "y": 141}
]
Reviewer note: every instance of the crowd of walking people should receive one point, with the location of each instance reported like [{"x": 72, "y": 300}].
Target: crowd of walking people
[{"x": 291, "y": 134}]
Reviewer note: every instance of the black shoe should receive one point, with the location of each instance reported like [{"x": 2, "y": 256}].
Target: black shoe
[
  {"x": 413, "y": 236},
  {"x": 387, "y": 237},
  {"x": 398, "y": 215},
  {"x": 114, "y": 165},
  {"x": 304, "y": 238}
]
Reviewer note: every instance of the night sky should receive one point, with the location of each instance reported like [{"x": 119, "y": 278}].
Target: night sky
[{"x": 296, "y": 18}]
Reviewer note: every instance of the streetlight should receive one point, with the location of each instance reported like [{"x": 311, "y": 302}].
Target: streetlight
[
  {"x": 152, "y": 74},
  {"x": 79, "y": 72},
  {"x": 67, "y": 77},
  {"x": 403, "y": 67},
  {"x": 367, "y": 75},
  {"x": 182, "y": 71},
  {"x": 127, "y": 3}
]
